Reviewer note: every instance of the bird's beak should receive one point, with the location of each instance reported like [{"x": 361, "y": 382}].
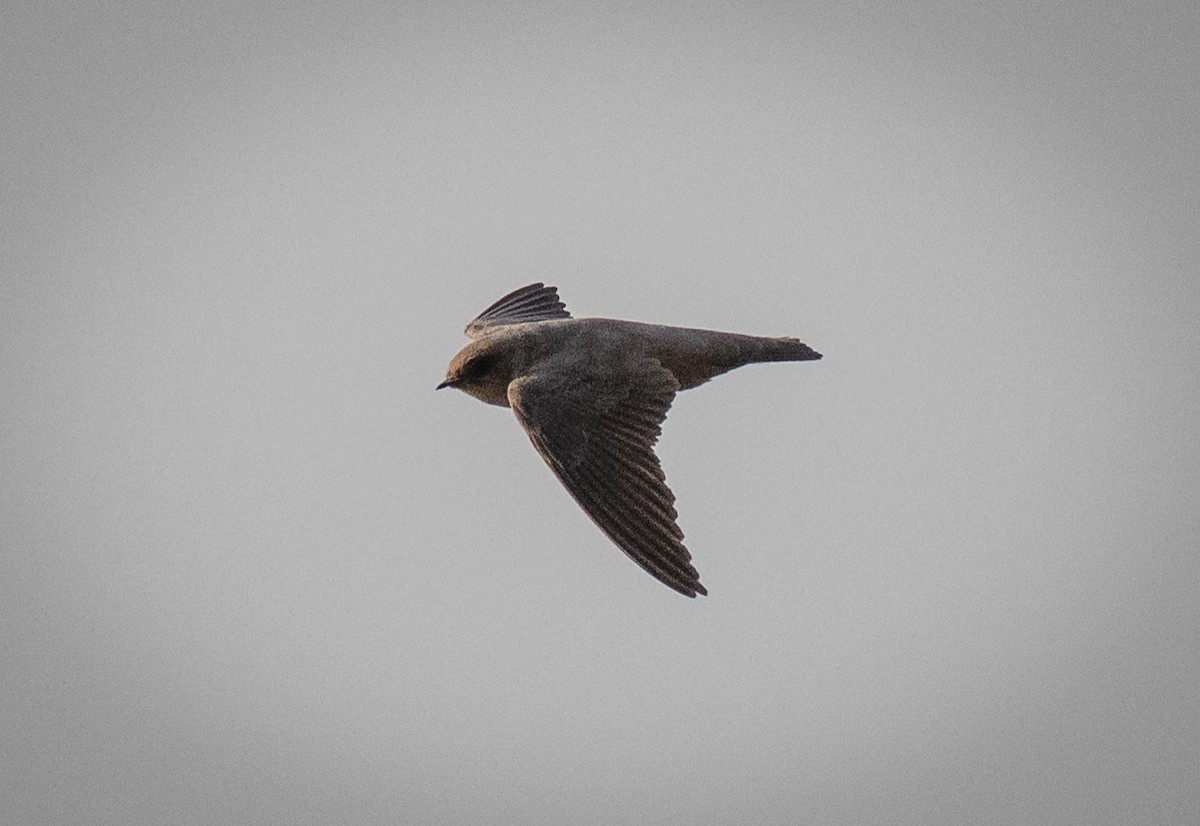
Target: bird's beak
[{"x": 449, "y": 381}]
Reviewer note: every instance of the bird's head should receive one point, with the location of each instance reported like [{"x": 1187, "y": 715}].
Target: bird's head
[{"x": 482, "y": 369}]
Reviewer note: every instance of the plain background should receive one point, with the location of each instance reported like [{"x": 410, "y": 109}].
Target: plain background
[{"x": 255, "y": 570}]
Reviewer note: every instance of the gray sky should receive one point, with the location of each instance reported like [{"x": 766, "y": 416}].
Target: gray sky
[{"x": 256, "y": 570}]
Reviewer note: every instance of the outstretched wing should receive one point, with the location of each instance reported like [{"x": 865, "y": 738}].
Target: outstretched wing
[
  {"x": 597, "y": 433},
  {"x": 536, "y": 302}
]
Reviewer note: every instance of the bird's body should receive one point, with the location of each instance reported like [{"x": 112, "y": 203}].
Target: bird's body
[
  {"x": 693, "y": 356},
  {"x": 592, "y": 393}
]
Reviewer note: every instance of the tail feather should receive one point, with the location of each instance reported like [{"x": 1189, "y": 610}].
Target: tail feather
[
  {"x": 786, "y": 349},
  {"x": 695, "y": 356}
]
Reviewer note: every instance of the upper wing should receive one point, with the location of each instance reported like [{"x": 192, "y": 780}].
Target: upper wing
[
  {"x": 597, "y": 433},
  {"x": 536, "y": 302}
]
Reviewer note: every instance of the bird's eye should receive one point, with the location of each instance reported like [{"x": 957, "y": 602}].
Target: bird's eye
[{"x": 477, "y": 367}]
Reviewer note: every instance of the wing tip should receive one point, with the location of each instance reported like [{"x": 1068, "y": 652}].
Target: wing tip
[{"x": 689, "y": 588}]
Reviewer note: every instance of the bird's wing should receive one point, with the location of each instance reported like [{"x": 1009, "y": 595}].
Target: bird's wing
[
  {"x": 536, "y": 302},
  {"x": 597, "y": 433}
]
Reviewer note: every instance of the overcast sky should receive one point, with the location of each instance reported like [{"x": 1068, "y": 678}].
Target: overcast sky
[{"x": 255, "y": 570}]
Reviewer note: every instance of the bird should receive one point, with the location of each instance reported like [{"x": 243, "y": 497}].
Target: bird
[{"x": 592, "y": 394}]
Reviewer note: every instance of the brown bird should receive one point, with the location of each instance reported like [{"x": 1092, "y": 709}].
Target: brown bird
[{"x": 592, "y": 394}]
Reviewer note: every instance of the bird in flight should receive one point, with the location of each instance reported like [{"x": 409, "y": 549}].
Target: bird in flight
[{"x": 592, "y": 393}]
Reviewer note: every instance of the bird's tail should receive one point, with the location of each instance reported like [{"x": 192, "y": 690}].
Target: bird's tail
[{"x": 695, "y": 356}]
